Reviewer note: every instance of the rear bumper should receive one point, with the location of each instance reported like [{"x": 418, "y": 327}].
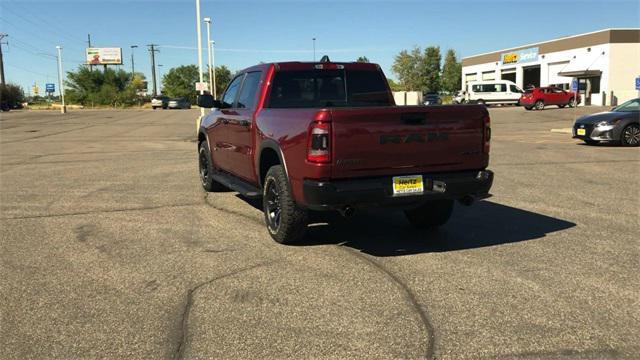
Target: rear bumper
[{"x": 333, "y": 195}]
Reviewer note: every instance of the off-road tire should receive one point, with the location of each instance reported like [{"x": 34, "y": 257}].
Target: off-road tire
[
  {"x": 431, "y": 214},
  {"x": 206, "y": 170},
  {"x": 293, "y": 220}
]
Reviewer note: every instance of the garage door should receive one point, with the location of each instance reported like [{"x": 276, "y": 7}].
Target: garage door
[
  {"x": 471, "y": 77},
  {"x": 553, "y": 70},
  {"x": 489, "y": 75}
]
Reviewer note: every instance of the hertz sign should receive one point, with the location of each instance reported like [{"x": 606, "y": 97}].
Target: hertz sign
[{"x": 520, "y": 56}]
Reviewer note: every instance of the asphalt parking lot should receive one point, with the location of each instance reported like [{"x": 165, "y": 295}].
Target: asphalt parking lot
[{"x": 111, "y": 249}]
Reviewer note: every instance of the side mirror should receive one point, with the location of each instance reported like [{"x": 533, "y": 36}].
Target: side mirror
[{"x": 207, "y": 101}]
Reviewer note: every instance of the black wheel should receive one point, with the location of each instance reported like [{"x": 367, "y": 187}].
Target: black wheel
[
  {"x": 572, "y": 102},
  {"x": 154, "y": 107},
  {"x": 528, "y": 107},
  {"x": 590, "y": 142},
  {"x": 286, "y": 221},
  {"x": 539, "y": 105},
  {"x": 431, "y": 214},
  {"x": 165, "y": 107},
  {"x": 562, "y": 106},
  {"x": 630, "y": 135},
  {"x": 206, "y": 169},
  {"x": 481, "y": 102}
]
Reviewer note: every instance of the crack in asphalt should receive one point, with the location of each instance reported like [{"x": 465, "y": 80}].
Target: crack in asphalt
[
  {"x": 409, "y": 295},
  {"x": 101, "y": 211},
  {"x": 184, "y": 328}
]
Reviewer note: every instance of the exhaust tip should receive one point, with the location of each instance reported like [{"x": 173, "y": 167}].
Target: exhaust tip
[{"x": 347, "y": 211}]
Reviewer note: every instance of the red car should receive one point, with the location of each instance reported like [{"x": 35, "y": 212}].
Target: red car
[
  {"x": 538, "y": 98},
  {"x": 328, "y": 136}
]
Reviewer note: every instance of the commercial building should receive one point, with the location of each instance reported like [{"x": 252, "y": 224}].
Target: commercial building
[{"x": 605, "y": 64}]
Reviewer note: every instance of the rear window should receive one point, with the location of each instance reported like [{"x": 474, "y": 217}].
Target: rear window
[{"x": 328, "y": 88}]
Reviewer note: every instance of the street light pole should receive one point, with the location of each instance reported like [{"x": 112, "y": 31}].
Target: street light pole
[
  {"x": 213, "y": 65},
  {"x": 160, "y": 77},
  {"x": 207, "y": 20},
  {"x": 63, "y": 109},
  {"x": 199, "y": 34},
  {"x": 314, "y": 49},
  {"x": 133, "y": 67}
]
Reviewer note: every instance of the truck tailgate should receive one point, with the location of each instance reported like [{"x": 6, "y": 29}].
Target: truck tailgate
[{"x": 378, "y": 141}]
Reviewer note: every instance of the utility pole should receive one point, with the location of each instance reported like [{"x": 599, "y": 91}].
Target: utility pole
[
  {"x": 2, "y": 36},
  {"x": 85, "y": 55},
  {"x": 63, "y": 109},
  {"x": 152, "y": 51},
  {"x": 133, "y": 67},
  {"x": 314, "y": 49}
]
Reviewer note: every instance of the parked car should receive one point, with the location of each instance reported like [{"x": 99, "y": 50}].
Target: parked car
[
  {"x": 160, "y": 102},
  {"x": 460, "y": 97},
  {"x": 621, "y": 124},
  {"x": 493, "y": 92},
  {"x": 328, "y": 137},
  {"x": 432, "y": 99},
  {"x": 538, "y": 98},
  {"x": 179, "y": 103}
]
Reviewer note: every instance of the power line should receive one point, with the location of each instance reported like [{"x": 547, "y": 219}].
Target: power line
[
  {"x": 39, "y": 36},
  {"x": 38, "y": 25},
  {"x": 30, "y": 71}
]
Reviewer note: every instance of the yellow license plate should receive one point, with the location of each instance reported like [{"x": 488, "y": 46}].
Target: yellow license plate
[
  {"x": 582, "y": 132},
  {"x": 408, "y": 185}
]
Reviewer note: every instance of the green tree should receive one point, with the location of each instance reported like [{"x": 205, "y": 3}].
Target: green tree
[
  {"x": 363, "y": 59},
  {"x": 451, "y": 72},
  {"x": 223, "y": 77},
  {"x": 430, "y": 70},
  {"x": 406, "y": 66},
  {"x": 395, "y": 86},
  {"x": 181, "y": 82},
  {"x": 108, "y": 87},
  {"x": 11, "y": 95}
]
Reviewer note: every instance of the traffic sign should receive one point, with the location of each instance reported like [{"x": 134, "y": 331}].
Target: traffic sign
[
  {"x": 202, "y": 86},
  {"x": 50, "y": 88},
  {"x": 638, "y": 83},
  {"x": 574, "y": 85}
]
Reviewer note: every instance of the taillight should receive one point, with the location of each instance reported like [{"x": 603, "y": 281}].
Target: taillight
[
  {"x": 487, "y": 133},
  {"x": 319, "y": 145}
]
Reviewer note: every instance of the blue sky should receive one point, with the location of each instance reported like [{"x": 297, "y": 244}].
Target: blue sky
[{"x": 247, "y": 32}]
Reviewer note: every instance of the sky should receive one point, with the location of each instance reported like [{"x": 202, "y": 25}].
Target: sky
[{"x": 249, "y": 32}]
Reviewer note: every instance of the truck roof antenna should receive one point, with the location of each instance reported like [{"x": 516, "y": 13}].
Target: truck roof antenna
[{"x": 325, "y": 59}]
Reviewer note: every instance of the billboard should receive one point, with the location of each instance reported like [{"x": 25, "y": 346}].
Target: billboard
[
  {"x": 520, "y": 56},
  {"x": 104, "y": 56}
]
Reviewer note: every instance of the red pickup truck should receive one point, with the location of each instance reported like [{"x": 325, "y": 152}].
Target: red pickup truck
[{"x": 325, "y": 136}]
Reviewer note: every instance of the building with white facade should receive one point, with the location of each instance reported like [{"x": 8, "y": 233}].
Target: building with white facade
[{"x": 605, "y": 64}]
